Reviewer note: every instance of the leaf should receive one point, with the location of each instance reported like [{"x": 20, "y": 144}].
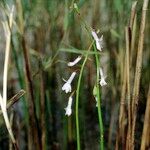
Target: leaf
[{"x": 77, "y": 51}]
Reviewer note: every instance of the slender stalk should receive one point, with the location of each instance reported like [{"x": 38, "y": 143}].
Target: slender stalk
[
  {"x": 121, "y": 132},
  {"x": 33, "y": 128},
  {"x": 132, "y": 23},
  {"x": 146, "y": 123},
  {"x": 33, "y": 121},
  {"x": 133, "y": 13},
  {"x": 11, "y": 123},
  {"x": 77, "y": 99},
  {"x": 42, "y": 103},
  {"x": 135, "y": 97},
  {"x": 5, "y": 115},
  {"x": 77, "y": 103},
  {"x": 99, "y": 102},
  {"x": 3, "y": 100},
  {"x": 128, "y": 141},
  {"x": 7, "y": 27}
]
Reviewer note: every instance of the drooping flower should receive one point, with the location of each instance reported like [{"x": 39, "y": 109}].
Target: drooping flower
[
  {"x": 99, "y": 41},
  {"x": 67, "y": 86},
  {"x": 70, "y": 64},
  {"x": 68, "y": 108},
  {"x": 102, "y": 80},
  {"x": 96, "y": 101}
]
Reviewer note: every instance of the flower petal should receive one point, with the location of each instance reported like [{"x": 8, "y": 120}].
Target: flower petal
[
  {"x": 66, "y": 87},
  {"x": 95, "y": 36},
  {"x": 103, "y": 82},
  {"x": 70, "y": 64}
]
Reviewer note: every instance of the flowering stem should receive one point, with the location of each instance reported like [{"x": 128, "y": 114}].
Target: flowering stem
[
  {"x": 98, "y": 92},
  {"x": 77, "y": 99},
  {"x": 99, "y": 102}
]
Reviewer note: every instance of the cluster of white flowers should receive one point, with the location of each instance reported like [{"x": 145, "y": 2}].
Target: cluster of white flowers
[
  {"x": 99, "y": 42},
  {"x": 67, "y": 86}
]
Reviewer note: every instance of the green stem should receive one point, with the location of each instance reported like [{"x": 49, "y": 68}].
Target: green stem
[
  {"x": 99, "y": 102},
  {"x": 77, "y": 99},
  {"x": 77, "y": 103}
]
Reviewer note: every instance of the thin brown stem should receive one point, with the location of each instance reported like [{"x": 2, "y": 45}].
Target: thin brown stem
[
  {"x": 127, "y": 32},
  {"x": 122, "y": 115},
  {"x": 34, "y": 129},
  {"x": 133, "y": 12},
  {"x": 135, "y": 97},
  {"x": 146, "y": 124},
  {"x": 42, "y": 102}
]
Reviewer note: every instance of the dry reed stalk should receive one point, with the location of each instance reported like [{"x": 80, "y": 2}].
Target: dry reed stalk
[
  {"x": 33, "y": 134},
  {"x": 42, "y": 102},
  {"x": 121, "y": 132},
  {"x": 133, "y": 13},
  {"x": 11, "y": 123},
  {"x": 128, "y": 41},
  {"x": 33, "y": 121},
  {"x": 133, "y": 51},
  {"x": 3, "y": 99},
  {"x": 7, "y": 27},
  {"x": 117, "y": 141},
  {"x": 135, "y": 97},
  {"x": 132, "y": 26},
  {"x": 39, "y": 46},
  {"x": 14, "y": 99},
  {"x": 145, "y": 137}
]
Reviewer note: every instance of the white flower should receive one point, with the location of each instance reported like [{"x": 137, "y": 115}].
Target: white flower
[
  {"x": 99, "y": 41},
  {"x": 75, "y": 61},
  {"x": 96, "y": 101},
  {"x": 68, "y": 108},
  {"x": 67, "y": 86},
  {"x": 102, "y": 80}
]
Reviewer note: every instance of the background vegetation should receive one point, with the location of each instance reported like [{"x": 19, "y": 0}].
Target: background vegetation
[{"x": 45, "y": 36}]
